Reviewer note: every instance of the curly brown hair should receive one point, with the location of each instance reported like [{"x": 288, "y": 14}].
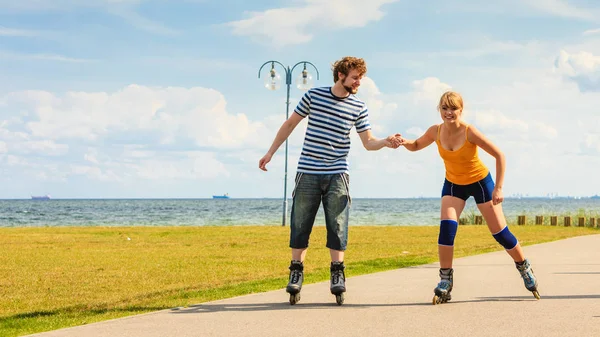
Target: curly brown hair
[{"x": 346, "y": 64}]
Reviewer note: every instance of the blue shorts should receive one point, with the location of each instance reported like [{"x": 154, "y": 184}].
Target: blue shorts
[{"x": 481, "y": 190}]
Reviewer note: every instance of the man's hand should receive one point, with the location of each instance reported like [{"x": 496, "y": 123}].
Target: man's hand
[
  {"x": 262, "y": 163},
  {"x": 394, "y": 141}
]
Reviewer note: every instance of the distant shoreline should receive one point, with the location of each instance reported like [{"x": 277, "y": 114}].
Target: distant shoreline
[{"x": 278, "y": 198}]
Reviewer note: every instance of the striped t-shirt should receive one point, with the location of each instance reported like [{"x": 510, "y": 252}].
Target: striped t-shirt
[{"x": 327, "y": 139}]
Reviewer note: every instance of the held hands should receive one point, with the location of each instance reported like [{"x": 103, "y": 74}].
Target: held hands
[
  {"x": 394, "y": 141},
  {"x": 262, "y": 163},
  {"x": 497, "y": 196}
]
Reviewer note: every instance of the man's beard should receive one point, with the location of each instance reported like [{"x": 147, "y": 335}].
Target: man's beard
[{"x": 350, "y": 90}]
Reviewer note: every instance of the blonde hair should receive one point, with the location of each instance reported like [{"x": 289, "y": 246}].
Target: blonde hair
[
  {"x": 346, "y": 64},
  {"x": 452, "y": 100}
]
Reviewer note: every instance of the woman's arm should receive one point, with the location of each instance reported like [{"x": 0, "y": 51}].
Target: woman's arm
[
  {"x": 477, "y": 138},
  {"x": 422, "y": 142}
]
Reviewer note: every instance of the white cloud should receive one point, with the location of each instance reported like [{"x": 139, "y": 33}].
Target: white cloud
[
  {"x": 142, "y": 23},
  {"x": 124, "y": 9},
  {"x": 428, "y": 91},
  {"x": 496, "y": 121},
  {"x": 296, "y": 25},
  {"x": 592, "y": 31},
  {"x": 591, "y": 144},
  {"x": 157, "y": 132},
  {"x": 42, "y": 57},
  {"x": 168, "y": 114},
  {"x": 562, "y": 9},
  {"x": 583, "y": 68},
  {"x": 44, "y": 5},
  {"x": 5, "y": 31}
]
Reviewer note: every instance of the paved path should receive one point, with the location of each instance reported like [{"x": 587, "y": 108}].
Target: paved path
[{"x": 489, "y": 299}]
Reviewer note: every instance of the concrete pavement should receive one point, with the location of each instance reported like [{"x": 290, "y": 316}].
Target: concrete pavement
[{"x": 488, "y": 299}]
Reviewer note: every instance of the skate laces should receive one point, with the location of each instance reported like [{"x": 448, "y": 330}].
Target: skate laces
[
  {"x": 526, "y": 272},
  {"x": 336, "y": 276},
  {"x": 295, "y": 276},
  {"x": 444, "y": 284},
  {"x": 337, "y": 273}
]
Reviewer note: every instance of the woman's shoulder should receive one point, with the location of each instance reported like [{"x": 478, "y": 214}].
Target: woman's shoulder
[{"x": 472, "y": 132}]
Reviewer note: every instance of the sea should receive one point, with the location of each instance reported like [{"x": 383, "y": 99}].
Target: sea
[{"x": 258, "y": 212}]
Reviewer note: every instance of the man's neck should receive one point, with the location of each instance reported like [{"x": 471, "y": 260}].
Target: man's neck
[{"x": 339, "y": 91}]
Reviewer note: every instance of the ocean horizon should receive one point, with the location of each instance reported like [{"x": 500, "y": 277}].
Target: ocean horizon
[{"x": 419, "y": 211}]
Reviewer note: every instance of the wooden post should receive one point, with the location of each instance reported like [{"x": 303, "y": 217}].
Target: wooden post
[
  {"x": 581, "y": 222},
  {"x": 553, "y": 221},
  {"x": 598, "y": 222},
  {"x": 539, "y": 219},
  {"x": 478, "y": 220},
  {"x": 462, "y": 221},
  {"x": 592, "y": 222},
  {"x": 567, "y": 222},
  {"x": 521, "y": 220}
]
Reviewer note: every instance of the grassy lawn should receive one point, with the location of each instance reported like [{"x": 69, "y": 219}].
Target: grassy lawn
[{"x": 52, "y": 278}]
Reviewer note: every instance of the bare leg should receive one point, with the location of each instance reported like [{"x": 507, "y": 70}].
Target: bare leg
[
  {"x": 298, "y": 254},
  {"x": 494, "y": 216},
  {"x": 336, "y": 255},
  {"x": 452, "y": 207}
]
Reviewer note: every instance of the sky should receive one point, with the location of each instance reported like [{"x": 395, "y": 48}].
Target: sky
[{"x": 162, "y": 99}]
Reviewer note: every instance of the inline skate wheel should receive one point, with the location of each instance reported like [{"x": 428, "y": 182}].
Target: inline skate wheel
[
  {"x": 294, "y": 298},
  {"x": 339, "y": 299}
]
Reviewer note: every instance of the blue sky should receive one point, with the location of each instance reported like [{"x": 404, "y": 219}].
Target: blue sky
[{"x": 152, "y": 99}]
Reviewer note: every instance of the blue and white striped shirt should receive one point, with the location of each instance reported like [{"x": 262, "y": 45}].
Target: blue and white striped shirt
[{"x": 327, "y": 139}]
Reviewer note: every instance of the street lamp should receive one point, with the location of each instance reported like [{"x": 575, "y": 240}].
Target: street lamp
[{"x": 273, "y": 82}]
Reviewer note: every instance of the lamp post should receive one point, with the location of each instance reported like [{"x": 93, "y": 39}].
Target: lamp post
[{"x": 273, "y": 82}]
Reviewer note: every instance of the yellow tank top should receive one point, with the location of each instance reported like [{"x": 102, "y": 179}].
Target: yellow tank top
[{"x": 463, "y": 166}]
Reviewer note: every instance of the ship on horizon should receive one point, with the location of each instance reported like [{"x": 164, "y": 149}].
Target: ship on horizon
[
  {"x": 40, "y": 197},
  {"x": 224, "y": 196}
]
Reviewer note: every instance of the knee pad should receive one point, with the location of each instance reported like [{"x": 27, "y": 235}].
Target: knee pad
[
  {"x": 506, "y": 239},
  {"x": 448, "y": 230}
]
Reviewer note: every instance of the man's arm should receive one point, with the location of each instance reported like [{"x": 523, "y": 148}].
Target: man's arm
[
  {"x": 284, "y": 132},
  {"x": 371, "y": 143}
]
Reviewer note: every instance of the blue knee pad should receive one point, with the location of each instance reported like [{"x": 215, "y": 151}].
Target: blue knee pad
[
  {"x": 506, "y": 239},
  {"x": 448, "y": 230}
]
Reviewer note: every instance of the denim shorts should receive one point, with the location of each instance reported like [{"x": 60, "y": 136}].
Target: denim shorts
[
  {"x": 481, "y": 190},
  {"x": 310, "y": 191}
]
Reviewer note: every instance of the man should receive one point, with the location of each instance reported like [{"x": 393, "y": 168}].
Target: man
[{"x": 322, "y": 173}]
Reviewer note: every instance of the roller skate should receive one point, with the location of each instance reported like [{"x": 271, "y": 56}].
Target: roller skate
[
  {"x": 444, "y": 288},
  {"x": 295, "y": 284},
  {"x": 338, "y": 281},
  {"x": 529, "y": 278}
]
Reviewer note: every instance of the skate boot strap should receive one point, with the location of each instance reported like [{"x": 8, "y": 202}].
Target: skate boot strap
[
  {"x": 296, "y": 265},
  {"x": 337, "y": 266},
  {"x": 446, "y": 274}
]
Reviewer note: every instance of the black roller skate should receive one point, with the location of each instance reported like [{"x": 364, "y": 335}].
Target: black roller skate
[
  {"x": 295, "y": 284},
  {"x": 338, "y": 281},
  {"x": 529, "y": 278},
  {"x": 444, "y": 288}
]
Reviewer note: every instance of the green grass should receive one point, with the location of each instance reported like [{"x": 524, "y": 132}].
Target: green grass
[{"x": 52, "y": 278}]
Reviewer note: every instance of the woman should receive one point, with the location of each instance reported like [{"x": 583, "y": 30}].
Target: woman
[{"x": 467, "y": 176}]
